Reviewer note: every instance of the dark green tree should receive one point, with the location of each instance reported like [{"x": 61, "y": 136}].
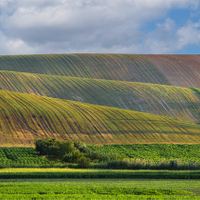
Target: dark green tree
[{"x": 54, "y": 149}]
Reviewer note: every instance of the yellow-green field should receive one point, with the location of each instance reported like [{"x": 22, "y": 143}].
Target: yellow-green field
[
  {"x": 178, "y": 102},
  {"x": 26, "y": 118}
]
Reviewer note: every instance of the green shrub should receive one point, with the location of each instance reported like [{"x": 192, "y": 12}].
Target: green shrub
[
  {"x": 72, "y": 157},
  {"x": 81, "y": 147},
  {"x": 84, "y": 162},
  {"x": 54, "y": 149}
]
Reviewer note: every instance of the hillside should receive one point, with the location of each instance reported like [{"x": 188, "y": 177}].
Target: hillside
[
  {"x": 26, "y": 117},
  {"x": 100, "y": 66},
  {"x": 177, "y": 70},
  {"x": 177, "y": 102},
  {"x": 100, "y": 98}
]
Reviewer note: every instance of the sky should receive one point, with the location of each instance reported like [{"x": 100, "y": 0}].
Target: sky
[{"x": 99, "y": 26}]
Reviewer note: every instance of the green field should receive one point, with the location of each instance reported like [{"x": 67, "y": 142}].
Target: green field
[
  {"x": 154, "y": 152},
  {"x": 21, "y": 156},
  {"x": 137, "y": 156},
  {"x": 99, "y": 189}
]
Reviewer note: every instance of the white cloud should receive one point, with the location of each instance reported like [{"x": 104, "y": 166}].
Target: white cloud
[
  {"x": 55, "y": 26},
  {"x": 167, "y": 38},
  {"x": 188, "y": 35}
]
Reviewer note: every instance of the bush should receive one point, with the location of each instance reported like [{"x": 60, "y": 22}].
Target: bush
[
  {"x": 84, "y": 162},
  {"x": 54, "y": 149},
  {"x": 73, "y": 157},
  {"x": 81, "y": 147}
]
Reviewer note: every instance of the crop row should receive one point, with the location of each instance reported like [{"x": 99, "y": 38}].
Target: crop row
[
  {"x": 25, "y": 118},
  {"x": 177, "y": 102},
  {"x": 20, "y": 155},
  {"x": 153, "y": 152}
]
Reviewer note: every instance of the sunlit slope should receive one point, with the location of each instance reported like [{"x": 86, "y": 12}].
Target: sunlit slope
[
  {"x": 124, "y": 67},
  {"x": 178, "y": 102},
  {"x": 179, "y": 70},
  {"x": 25, "y": 118}
]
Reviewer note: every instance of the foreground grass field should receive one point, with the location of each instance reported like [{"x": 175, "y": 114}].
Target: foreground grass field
[
  {"x": 103, "y": 189},
  {"x": 41, "y": 173},
  {"x": 178, "y": 102}
]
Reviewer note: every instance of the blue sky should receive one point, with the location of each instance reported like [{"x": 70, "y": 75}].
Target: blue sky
[{"x": 99, "y": 26}]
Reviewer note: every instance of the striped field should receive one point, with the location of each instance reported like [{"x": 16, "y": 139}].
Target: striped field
[
  {"x": 177, "y": 70},
  {"x": 99, "y": 98},
  {"x": 177, "y": 102},
  {"x": 101, "y": 66},
  {"x": 26, "y": 117}
]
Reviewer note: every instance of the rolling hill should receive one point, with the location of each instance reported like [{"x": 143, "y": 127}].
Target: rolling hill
[
  {"x": 177, "y": 70},
  {"x": 99, "y": 98},
  {"x": 100, "y": 66},
  {"x": 178, "y": 102},
  {"x": 26, "y": 117}
]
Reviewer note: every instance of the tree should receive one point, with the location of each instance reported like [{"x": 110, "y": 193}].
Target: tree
[{"x": 54, "y": 149}]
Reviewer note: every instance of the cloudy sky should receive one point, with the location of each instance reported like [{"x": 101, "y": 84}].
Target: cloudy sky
[{"x": 99, "y": 26}]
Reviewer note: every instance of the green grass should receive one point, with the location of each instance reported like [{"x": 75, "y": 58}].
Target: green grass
[
  {"x": 26, "y": 118},
  {"x": 153, "y": 152},
  {"x": 85, "y": 189},
  {"x": 177, "y": 102},
  {"x": 41, "y": 173}
]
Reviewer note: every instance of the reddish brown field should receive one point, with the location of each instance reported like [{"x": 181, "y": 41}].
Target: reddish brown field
[{"x": 179, "y": 70}]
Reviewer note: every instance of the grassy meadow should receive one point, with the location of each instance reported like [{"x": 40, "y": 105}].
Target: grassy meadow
[{"x": 99, "y": 189}]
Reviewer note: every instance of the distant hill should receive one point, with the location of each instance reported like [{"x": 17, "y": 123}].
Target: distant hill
[
  {"x": 100, "y": 66},
  {"x": 178, "y": 102},
  {"x": 26, "y": 117},
  {"x": 178, "y": 70}
]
